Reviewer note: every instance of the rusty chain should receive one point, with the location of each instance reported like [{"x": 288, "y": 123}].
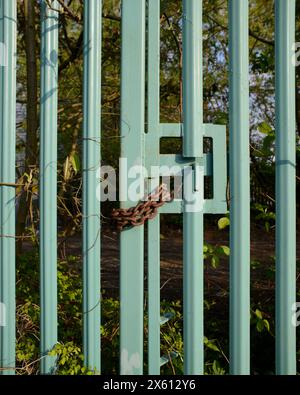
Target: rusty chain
[{"x": 143, "y": 211}]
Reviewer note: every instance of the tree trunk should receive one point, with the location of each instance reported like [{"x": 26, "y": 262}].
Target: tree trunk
[{"x": 32, "y": 113}]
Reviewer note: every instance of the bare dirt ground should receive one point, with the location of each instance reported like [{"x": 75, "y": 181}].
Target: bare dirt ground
[{"x": 216, "y": 280}]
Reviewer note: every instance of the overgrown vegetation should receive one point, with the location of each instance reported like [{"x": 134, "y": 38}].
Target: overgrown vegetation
[{"x": 69, "y": 349}]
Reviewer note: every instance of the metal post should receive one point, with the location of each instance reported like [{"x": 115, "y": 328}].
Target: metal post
[
  {"x": 192, "y": 79},
  {"x": 132, "y": 149},
  {"x": 48, "y": 183},
  {"x": 285, "y": 188},
  {"x": 193, "y": 221},
  {"x": 239, "y": 189},
  {"x": 8, "y": 35},
  {"x": 91, "y": 163},
  {"x": 154, "y": 296},
  {"x": 152, "y": 152}
]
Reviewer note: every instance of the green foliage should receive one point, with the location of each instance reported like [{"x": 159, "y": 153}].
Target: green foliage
[
  {"x": 69, "y": 349},
  {"x": 215, "y": 369},
  {"x": 214, "y": 253},
  {"x": 263, "y": 214},
  {"x": 69, "y": 359},
  {"x": 223, "y": 223},
  {"x": 172, "y": 341},
  {"x": 267, "y": 148},
  {"x": 261, "y": 324}
]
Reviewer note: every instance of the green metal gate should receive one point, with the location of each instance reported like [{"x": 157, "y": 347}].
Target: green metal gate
[{"x": 141, "y": 36}]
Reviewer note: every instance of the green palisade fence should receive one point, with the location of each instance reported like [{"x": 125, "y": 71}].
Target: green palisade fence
[
  {"x": 91, "y": 162},
  {"x": 48, "y": 183},
  {"x": 285, "y": 188},
  {"x": 239, "y": 188},
  {"x": 141, "y": 130}
]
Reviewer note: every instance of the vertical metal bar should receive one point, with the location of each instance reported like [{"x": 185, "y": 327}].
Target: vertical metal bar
[
  {"x": 154, "y": 296},
  {"x": 192, "y": 79},
  {"x": 48, "y": 183},
  {"x": 8, "y": 27},
  {"x": 152, "y": 148},
  {"x": 240, "y": 189},
  {"x": 193, "y": 221},
  {"x": 285, "y": 188},
  {"x": 91, "y": 163},
  {"x": 193, "y": 292},
  {"x": 132, "y": 149}
]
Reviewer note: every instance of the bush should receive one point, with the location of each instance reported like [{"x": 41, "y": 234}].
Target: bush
[{"x": 69, "y": 349}]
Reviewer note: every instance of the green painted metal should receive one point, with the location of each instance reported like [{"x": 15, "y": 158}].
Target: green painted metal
[
  {"x": 132, "y": 148},
  {"x": 285, "y": 188},
  {"x": 154, "y": 319},
  {"x": 152, "y": 152},
  {"x": 8, "y": 27},
  {"x": 91, "y": 164},
  {"x": 48, "y": 183},
  {"x": 192, "y": 79},
  {"x": 193, "y": 221},
  {"x": 217, "y": 168},
  {"x": 193, "y": 293},
  {"x": 213, "y": 165},
  {"x": 239, "y": 189}
]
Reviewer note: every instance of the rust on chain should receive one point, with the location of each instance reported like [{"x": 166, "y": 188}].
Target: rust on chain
[{"x": 143, "y": 211}]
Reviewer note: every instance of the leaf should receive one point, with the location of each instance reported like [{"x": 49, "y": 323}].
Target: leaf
[
  {"x": 267, "y": 143},
  {"x": 258, "y": 314},
  {"x": 75, "y": 162},
  {"x": 215, "y": 261},
  {"x": 225, "y": 250},
  {"x": 267, "y": 226},
  {"x": 210, "y": 344},
  {"x": 267, "y": 325},
  {"x": 223, "y": 223},
  {"x": 260, "y": 326},
  {"x": 216, "y": 368},
  {"x": 213, "y": 347},
  {"x": 265, "y": 128}
]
